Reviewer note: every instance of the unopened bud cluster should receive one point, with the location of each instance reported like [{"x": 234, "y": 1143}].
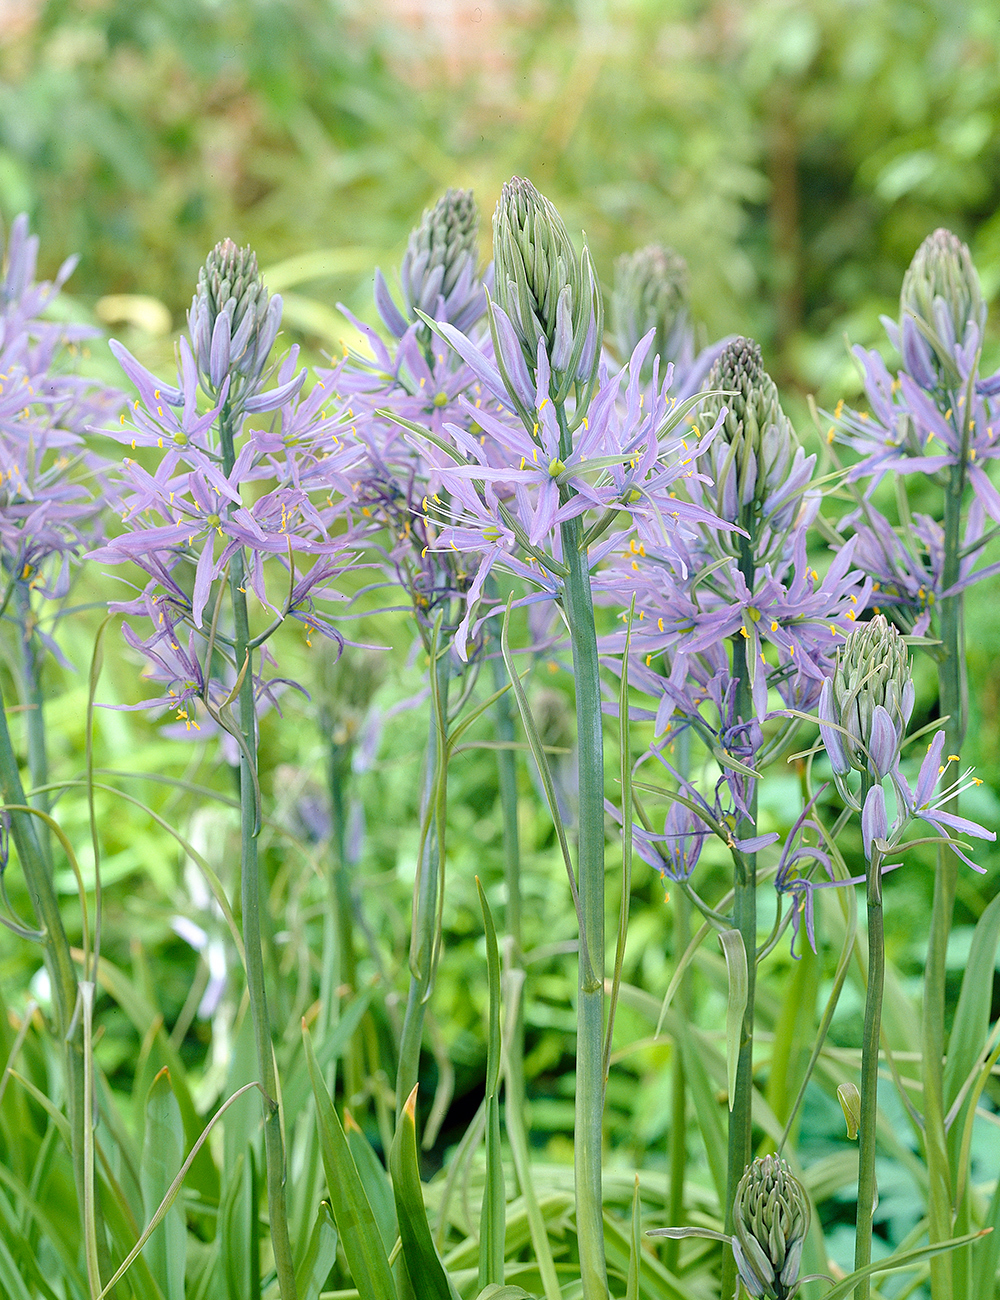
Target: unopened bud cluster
[
  {"x": 770, "y": 1221},
  {"x": 939, "y": 299},
  {"x": 651, "y": 292},
  {"x": 760, "y": 471},
  {"x": 438, "y": 273},
  {"x": 865, "y": 706},
  {"x": 548, "y": 291},
  {"x": 233, "y": 323}
]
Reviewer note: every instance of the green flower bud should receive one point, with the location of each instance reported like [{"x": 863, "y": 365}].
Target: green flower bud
[
  {"x": 651, "y": 292},
  {"x": 940, "y": 296},
  {"x": 865, "y": 706},
  {"x": 439, "y": 273},
  {"x": 770, "y": 1221},
  {"x": 548, "y": 291},
  {"x": 233, "y": 322},
  {"x": 754, "y": 449},
  {"x": 346, "y": 685}
]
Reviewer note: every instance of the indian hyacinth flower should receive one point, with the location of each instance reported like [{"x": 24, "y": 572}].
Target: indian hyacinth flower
[
  {"x": 417, "y": 381},
  {"x": 762, "y": 477},
  {"x": 51, "y": 483},
  {"x": 938, "y": 412},
  {"x": 191, "y": 515},
  {"x": 651, "y": 293},
  {"x": 548, "y": 293},
  {"x": 770, "y": 1221},
  {"x": 439, "y": 275},
  {"x": 865, "y": 706}
]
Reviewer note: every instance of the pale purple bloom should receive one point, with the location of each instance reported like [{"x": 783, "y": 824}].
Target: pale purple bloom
[
  {"x": 51, "y": 484},
  {"x": 906, "y": 432},
  {"x": 922, "y": 804}
]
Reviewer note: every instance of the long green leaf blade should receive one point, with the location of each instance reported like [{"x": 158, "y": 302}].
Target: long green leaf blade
[
  {"x": 423, "y": 1266},
  {"x": 359, "y": 1234},
  {"x": 162, "y": 1156}
]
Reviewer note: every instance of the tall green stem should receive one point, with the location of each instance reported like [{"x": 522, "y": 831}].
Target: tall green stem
[
  {"x": 250, "y": 907},
  {"x": 744, "y": 920},
  {"x": 952, "y": 697},
  {"x": 578, "y": 604},
  {"x": 425, "y": 937},
  {"x": 507, "y": 781},
  {"x": 869, "y": 1064},
  {"x": 677, "y": 1137},
  {"x": 38, "y": 760}
]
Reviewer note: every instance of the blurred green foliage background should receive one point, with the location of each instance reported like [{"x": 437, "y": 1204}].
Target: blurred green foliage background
[{"x": 794, "y": 151}]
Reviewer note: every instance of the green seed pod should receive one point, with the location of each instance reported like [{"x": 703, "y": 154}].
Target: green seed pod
[
  {"x": 770, "y": 1221},
  {"x": 651, "y": 292}
]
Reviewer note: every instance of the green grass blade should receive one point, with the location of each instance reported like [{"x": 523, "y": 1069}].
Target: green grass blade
[
  {"x": 423, "y": 1265},
  {"x": 635, "y": 1257},
  {"x": 492, "y": 1223},
  {"x": 899, "y": 1263},
  {"x": 374, "y": 1179},
  {"x": 174, "y": 1188},
  {"x": 356, "y": 1223},
  {"x": 320, "y": 1255},
  {"x": 162, "y": 1154},
  {"x": 972, "y": 1014}
]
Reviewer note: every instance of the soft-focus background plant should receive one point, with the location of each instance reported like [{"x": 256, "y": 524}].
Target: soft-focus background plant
[{"x": 794, "y": 153}]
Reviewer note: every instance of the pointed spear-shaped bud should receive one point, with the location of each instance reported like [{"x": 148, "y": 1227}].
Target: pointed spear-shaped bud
[
  {"x": 439, "y": 273},
  {"x": 233, "y": 322},
  {"x": 549, "y": 292},
  {"x": 757, "y": 477},
  {"x": 651, "y": 292},
  {"x": 939, "y": 299},
  {"x": 770, "y": 1221},
  {"x": 865, "y": 706}
]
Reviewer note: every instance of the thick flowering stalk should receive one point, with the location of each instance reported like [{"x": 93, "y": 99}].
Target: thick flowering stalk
[
  {"x": 393, "y": 493},
  {"x": 731, "y": 611},
  {"x": 552, "y": 299}
]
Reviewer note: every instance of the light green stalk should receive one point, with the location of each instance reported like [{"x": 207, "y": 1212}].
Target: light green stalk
[
  {"x": 503, "y": 716},
  {"x": 250, "y": 906},
  {"x": 745, "y": 920},
  {"x": 426, "y": 934},
  {"x": 578, "y": 604},
  {"x": 952, "y": 696},
  {"x": 869, "y": 1062}
]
